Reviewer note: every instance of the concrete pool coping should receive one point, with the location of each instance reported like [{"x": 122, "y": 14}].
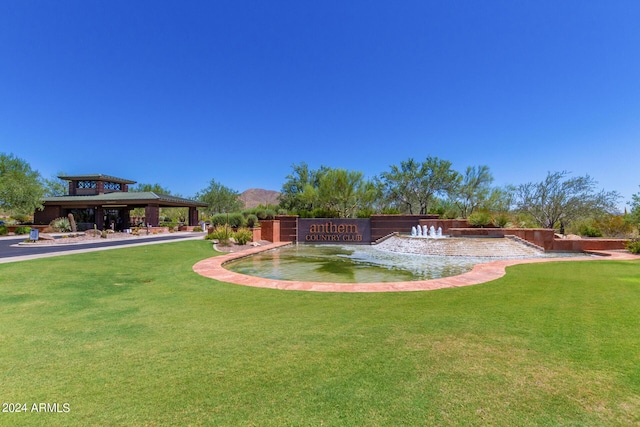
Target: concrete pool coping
[{"x": 481, "y": 273}]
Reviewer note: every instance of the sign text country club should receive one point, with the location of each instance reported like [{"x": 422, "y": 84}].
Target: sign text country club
[{"x": 334, "y": 231}]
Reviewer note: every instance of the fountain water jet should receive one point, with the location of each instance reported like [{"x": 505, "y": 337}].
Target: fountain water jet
[{"x": 427, "y": 232}]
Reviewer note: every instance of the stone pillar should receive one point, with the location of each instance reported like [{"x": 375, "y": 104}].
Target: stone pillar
[
  {"x": 126, "y": 218},
  {"x": 99, "y": 217},
  {"x": 193, "y": 216},
  {"x": 152, "y": 215},
  {"x": 270, "y": 230}
]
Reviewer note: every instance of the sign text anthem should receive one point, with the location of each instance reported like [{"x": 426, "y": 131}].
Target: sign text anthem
[{"x": 330, "y": 232}]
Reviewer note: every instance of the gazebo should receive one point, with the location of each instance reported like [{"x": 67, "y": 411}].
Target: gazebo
[{"x": 104, "y": 201}]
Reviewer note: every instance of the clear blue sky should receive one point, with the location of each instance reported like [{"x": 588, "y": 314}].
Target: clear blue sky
[{"x": 179, "y": 93}]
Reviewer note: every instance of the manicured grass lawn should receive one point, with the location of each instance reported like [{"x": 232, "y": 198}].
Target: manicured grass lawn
[{"x": 134, "y": 337}]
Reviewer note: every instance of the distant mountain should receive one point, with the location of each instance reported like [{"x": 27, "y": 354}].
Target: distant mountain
[{"x": 257, "y": 196}]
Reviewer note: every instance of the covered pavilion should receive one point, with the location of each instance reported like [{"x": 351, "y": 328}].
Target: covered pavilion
[{"x": 104, "y": 201}]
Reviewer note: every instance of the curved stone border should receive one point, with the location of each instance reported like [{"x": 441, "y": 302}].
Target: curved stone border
[{"x": 481, "y": 273}]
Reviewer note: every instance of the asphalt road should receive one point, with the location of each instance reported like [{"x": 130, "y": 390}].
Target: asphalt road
[{"x": 11, "y": 252}]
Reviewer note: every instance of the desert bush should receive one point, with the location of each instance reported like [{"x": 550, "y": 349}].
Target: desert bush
[
  {"x": 501, "y": 220},
  {"x": 324, "y": 213},
  {"x": 234, "y": 220},
  {"x": 252, "y": 221},
  {"x": 390, "y": 211},
  {"x": 261, "y": 213},
  {"x": 243, "y": 236},
  {"x": 218, "y": 219},
  {"x": 585, "y": 227},
  {"x": 614, "y": 226},
  {"x": 479, "y": 219},
  {"x": 21, "y": 218},
  {"x": 221, "y": 233},
  {"x": 22, "y": 230},
  {"x": 634, "y": 246},
  {"x": 365, "y": 213},
  {"x": 60, "y": 225}
]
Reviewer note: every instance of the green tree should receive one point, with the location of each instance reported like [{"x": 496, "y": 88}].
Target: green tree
[
  {"x": 415, "y": 185},
  {"x": 344, "y": 192},
  {"x": 558, "y": 200},
  {"x": 55, "y": 186},
  {"x": 21, "y": 190},
  {"x": 634, "y": 216},
  {"x": 474, "y": 190},
  {"x": 153, "y": 188},
  {"x": 220, "y": 199},
  {"x": 296, "y": 193}
]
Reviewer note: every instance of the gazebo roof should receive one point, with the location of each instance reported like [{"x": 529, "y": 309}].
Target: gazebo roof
[
  {"x": 124, "y": 198},
  {"x": 96, "y": 177}
]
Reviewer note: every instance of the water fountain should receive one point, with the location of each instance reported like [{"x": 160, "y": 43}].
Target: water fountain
[{"x": 425, "y": 231}]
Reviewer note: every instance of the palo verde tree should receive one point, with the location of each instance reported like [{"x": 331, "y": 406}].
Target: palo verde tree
[
  {"x": 220, "y": 199},
  {"x": 559, "y": 199},
  {"x": 295, "y": 192},
  {"x": 414, "y": 185},
  {"x": 473, "y": 190},
  {"x": 344, "y": 192},
  {"x": 337, "y": 192},
  {"x": 21, "y": 189},
  {"x": 55, "y": 186}
]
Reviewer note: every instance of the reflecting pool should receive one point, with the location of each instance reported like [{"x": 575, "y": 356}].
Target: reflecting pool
[{"x": 349, "y": 264}]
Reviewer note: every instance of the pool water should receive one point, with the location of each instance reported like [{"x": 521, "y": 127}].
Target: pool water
[{"x": 349, "y": 264}]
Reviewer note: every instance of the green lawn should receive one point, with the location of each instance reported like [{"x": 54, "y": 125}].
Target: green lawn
[{"x": 134, "y": 337}]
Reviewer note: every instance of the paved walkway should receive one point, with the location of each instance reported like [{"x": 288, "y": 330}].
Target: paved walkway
[
  {"x": 12, "y": 250},
  {"x": 481, "y": 273}
]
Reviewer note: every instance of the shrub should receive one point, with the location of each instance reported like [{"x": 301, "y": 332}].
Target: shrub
[
  {"x": 3, "y": 230},
  {"x": 60, "y": 225},
  {"x": 390, "y": 211},
  {"x": 235, "y": 219},
  {"x": 252, "y": 221},
  {"x": 22, "y": 230},
  {"x": 243, "y": 236},
  {"x": 614, "y": 226},
  {"x": 634, "y": 246},
  {"x": 261, "y": 213},
  {"x": 365, "y": 213},
  {"x": 501, "y": 220},
  {"x": 480, "y": 219},
  {"x": 197, "y": 229},
  {"x": 324, "y": 213},
  {"x": 218, "y": 219},
  {"x": 21, "y": 218},
  {"x": 221, "y": 233},
  {"x": 588, "y": 229}
]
